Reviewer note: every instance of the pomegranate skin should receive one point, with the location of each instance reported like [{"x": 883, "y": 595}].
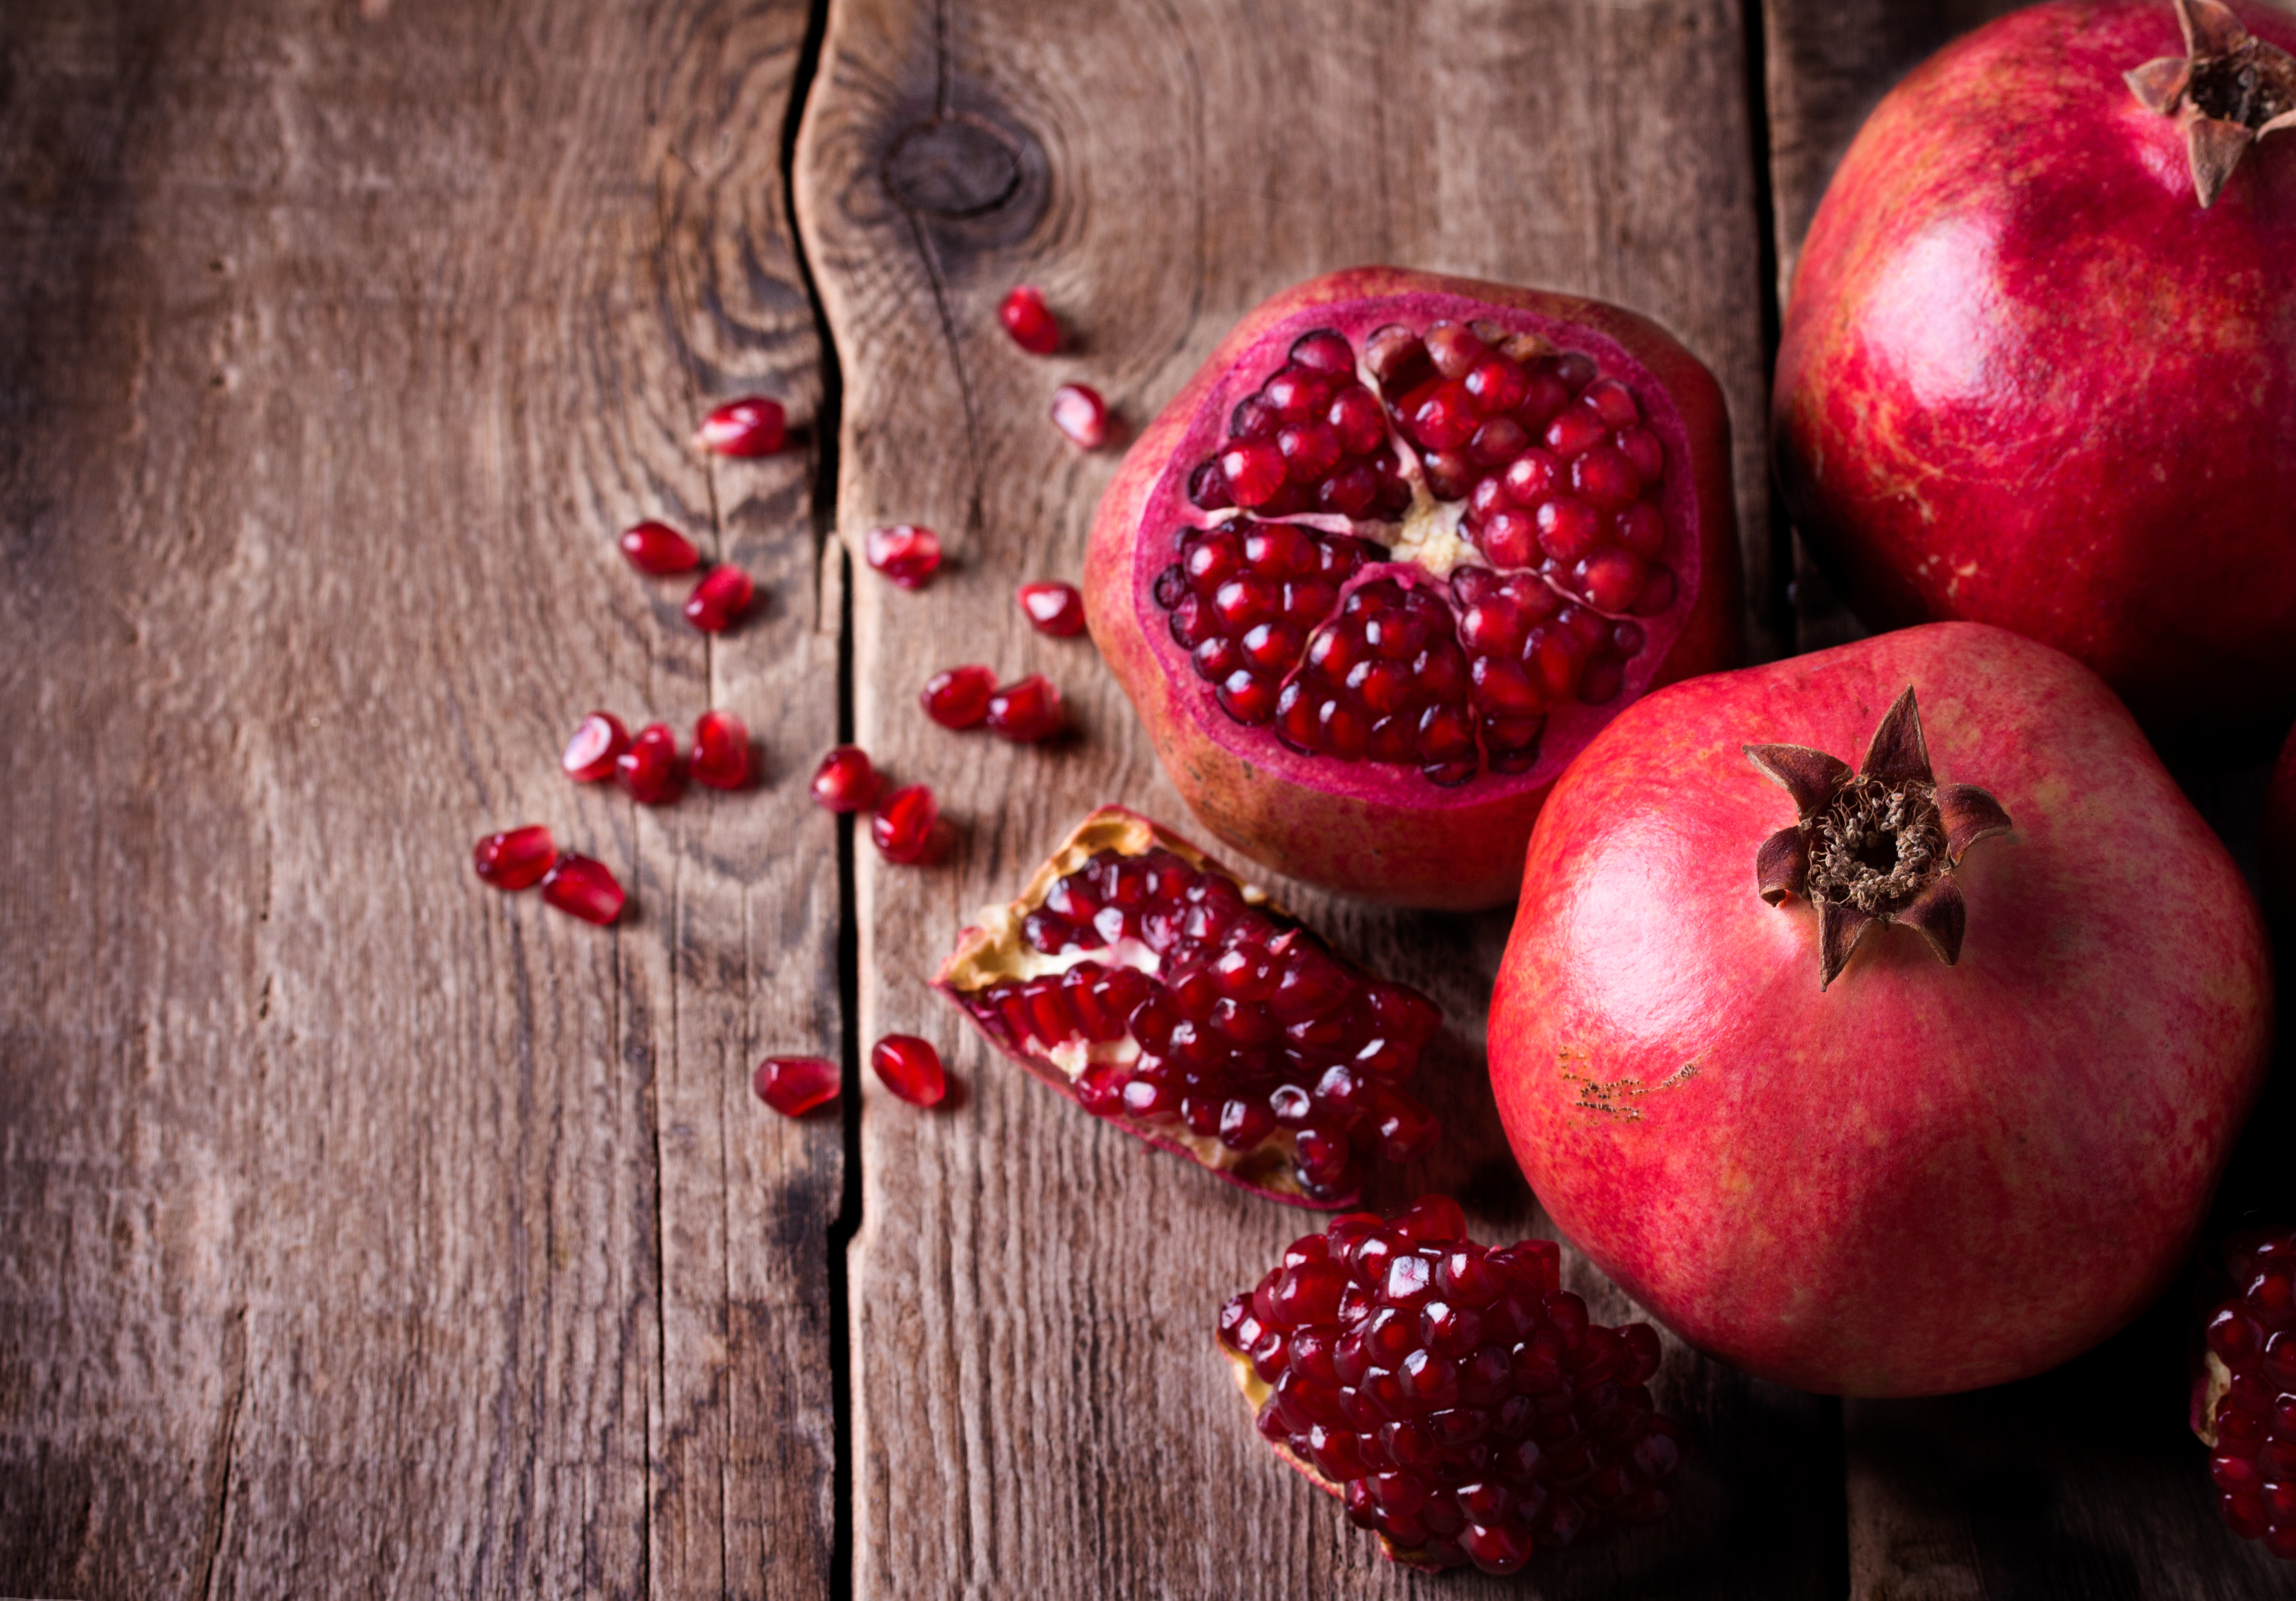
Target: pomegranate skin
[
  {"x": 2026, "y": 378},
  {"x": 1925, "y": 1178},
  {"x": 1367, "y": 828}
]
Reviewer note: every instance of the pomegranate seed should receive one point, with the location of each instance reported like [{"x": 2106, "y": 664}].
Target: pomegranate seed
[
  {"x": 958, "y": 697},
  {"x": 598, "y": 740},
  {"x": 516, "y": 859},
  {"x": 794, "y": 1086},
  {"x": 649, "y": 768},
  {"x": 903, "y": 828},
  {"x": 1053, "y": 608},
  {"x": 1080, "y": 413},
  {"x": 845, "y": 781},
  {"x": 657, "y": 549},
  {"x": 722, "y": 596},
  {"x": 906, "y": 553},
  {"x": 2252, "y": 1461},
  {"x": 1030, "y": 321},
  {"x": 585, "y": 888},
  {"x": 721, "y": 751},
  {"x": 1026, "y": 711},
  {"x": 910, "y": 1068},
  {"x": 753, "y": 425}
]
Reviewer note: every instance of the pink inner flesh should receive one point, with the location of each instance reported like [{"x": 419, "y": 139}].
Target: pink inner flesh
[{"x": 1313, "y": 631}]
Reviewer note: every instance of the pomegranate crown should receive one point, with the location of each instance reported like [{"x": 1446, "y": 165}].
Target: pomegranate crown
[
  {"x": 2228, "y": 89},
  {"x": 1879, "y": 845}
]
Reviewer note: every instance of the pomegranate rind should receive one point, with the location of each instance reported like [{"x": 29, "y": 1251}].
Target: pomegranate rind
[
  {"x": 1373, "y": 829},
  {"x": 1926, "y": 1178}
]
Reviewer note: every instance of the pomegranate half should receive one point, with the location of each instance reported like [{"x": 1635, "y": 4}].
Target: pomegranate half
[
  {"x": 2038, "y": 367},
  {"x": 1865, "y": 1158},
  {"x": 1400, "y": 548}
]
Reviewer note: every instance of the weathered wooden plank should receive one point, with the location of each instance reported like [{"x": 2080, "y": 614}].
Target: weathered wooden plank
[
  {"x": 1039, "y": 1408},
  {"x": 368, "y": 1232}
]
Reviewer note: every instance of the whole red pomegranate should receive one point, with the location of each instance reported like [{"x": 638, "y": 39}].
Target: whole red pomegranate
[
  {"x": 2039, "y": 363},
  {"x": 1395, "y": 553},
  {"x": 1865, "y": 1159}
]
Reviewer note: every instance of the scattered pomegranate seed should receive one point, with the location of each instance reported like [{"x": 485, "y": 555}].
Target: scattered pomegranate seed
[
  {"x": 906, "y": 553},
  {"x": 845, "y": 781},
  {"x": 648, "y": 770},
  {"x": 1080, "y": 413},
  {"x": 515, "y": 859},
  {"x": 1030, "y": 321},
  {"x": 1053, "y": 608},
  {"x": 721, "y": 751},
  {"x": 2247, "y": 1412},
  {"x": 911, "y": 1069},
  {"x": 657, "y": 549},
  {"x": 753, "y": 425},
  {"x": 585, "y": 888},
  {"x": 902, "y": 830},
  {"x": 958, "y": 697},
  {"x": 597, "y": 742},
  {"x": 794, "y": 1086},
  {"x": 723, "y": 594},
  {"x": 1026, "y": 711}
]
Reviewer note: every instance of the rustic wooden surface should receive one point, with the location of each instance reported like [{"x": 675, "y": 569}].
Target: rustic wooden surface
[{"x": 368, "y": 1232}]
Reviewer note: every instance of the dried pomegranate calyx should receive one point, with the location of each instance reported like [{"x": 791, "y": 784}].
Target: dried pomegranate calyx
[
  {"x": 2228, "y": 89},
  {"x": 1878, "y": 845}
]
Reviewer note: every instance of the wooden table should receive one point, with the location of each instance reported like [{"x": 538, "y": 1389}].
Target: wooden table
[{"x": 367, "y": 1232}]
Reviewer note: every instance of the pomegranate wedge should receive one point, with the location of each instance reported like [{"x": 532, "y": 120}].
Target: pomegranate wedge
[{"x": 1138, "y": 978}]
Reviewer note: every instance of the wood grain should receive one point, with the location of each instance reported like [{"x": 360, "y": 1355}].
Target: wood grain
[
  {"x": 1039, "y": 1409},
  {"x": 367, "y": 1231}
]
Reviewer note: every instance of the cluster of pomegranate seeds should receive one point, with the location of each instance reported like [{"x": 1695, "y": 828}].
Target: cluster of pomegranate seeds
[
  {"x": 1452, "y": 668},
  {"x": 516, "y": 859},
  {"x": 598, "y": 742},
  {"x": 910, "y": 1068},
  {"x": 1457, "y": 1397},
  {"x": 721, "y": 751},
  {"x": 2251, "y": 1428},
  {"x": 585, "y": 888},
  {"x": 1080, "y": 413},
  {"x": 723, "y": 594},
  {"x": 845, "y": 781},
  {"x": 902, "y": 829},
  {"x": 1028, "y": 320},
  {"x": 753, "y": 425},
  {"x": 650, "y": 768},
  {"x": 657, "y": 549},
  {"x": 794, "y": 1086},
  {"x": 1248, "y": 1030},
  {"x": 969, "y": 697},
  {"x": 1052, "y": 608},
  {"x": 906, "y": 553}
]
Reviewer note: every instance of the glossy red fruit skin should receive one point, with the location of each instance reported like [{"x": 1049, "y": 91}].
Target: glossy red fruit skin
[
  {"x": 1052, "y": 608},
  {"x": 845, "y": 781},
  {"x": 2279, "y": 834},
  {"x": 750, "y": 426},
  {"x": 723, "y": 594},
  {"x": 794, "y": 1086},
  {"x": 515, "y": 859},
  {"x": 659, "y": 549},
  {"x": 1387, "y": 835},
  {"x": 903, "y": 828},
  {"x": 721, "y": 751},
  {"x": 1924, "y": 1178},
  {"x": 911, "y": 1068},
  {"x": 583, "y": 888},
  {"x": 2025, "y": 379},
  {"x": 598, "y": 742},
  {"x": 1028, "y": 320},
  {"x": 650, "y": 768}
]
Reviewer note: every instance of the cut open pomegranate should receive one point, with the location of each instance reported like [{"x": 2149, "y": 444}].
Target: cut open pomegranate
[
  {"x": 1396, "y": 554},
  {"x": 2244, "y": 1397},
  {"x": 1138, "y": 978}
]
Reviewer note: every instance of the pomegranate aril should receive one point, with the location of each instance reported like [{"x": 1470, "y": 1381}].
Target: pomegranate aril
[
  {"x": 845, "y": 781},
  {"x": 1444, "y": 416},
  {"x": 1612, "y": 402},
  {"x": 585, "y": 888},
  {"x": 794, "y": 1086},
  {"x": 911, "y": 1068},
  {"x": 1253, "y": 470},
  {"x": 1207, "y": 488},
  {"x": 958, "y": 697},
  {"x": 657, "y": 549},
  {"x": 1080, "y": 413},
  {"x": 1026, "y": 711},
  {"x": 903, "y": 827},
  {"x": 1568, "y": 529},
  {"x": 1052, "y": 608},
  {"x": 515, "y": 859},
  {"x": 1324, "y": 350},
  {"x": 723, "y": 594},
  {"x": 649, "y": 768},
  {"x": 908, "y": 553},
  {"x": 599, "y": 740},
  {"x": 753, "y": 425},
  {"x": 721, "y": 751},
  {"x": 1453, "y": 348},
  {"x": 1028, "y": 320}
]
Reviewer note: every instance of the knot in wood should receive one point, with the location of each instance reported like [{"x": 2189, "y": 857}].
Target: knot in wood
[{"x": 953, "y": 167}]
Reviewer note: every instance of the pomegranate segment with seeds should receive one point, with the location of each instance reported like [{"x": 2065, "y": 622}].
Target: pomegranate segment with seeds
[
  {"x": 515, "y": 859},
  {"x": 1080, "y": 413},
  {"x": 903, "y": 828},
  {"x": 911, "y": 1068},
  {"x": 846, "y": 780},
  {"x": 906, "y": 553},
  {"x": 1398, "y": 550},
  {"x": 585, "y": 888},
  {"x": 721, "y": 751},
  {"x": 659, "y": 549},
  {"x": 1455, "y": 1398},
  {"x": 1136, "y": 976},
  {"x": 649, "y": 770},
  {"x": 598, "y": 742},
  {"x": 2244, "y": 1400},
  {"x": 723, "y": 594},
  {"x": 1052, "y": 608},
  {"x": 753, "y": 425},
  {"x": 1026, "y": 711},
  {"x": 1028, "y": 320},
  {"x": 794, "y": 1086}
]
